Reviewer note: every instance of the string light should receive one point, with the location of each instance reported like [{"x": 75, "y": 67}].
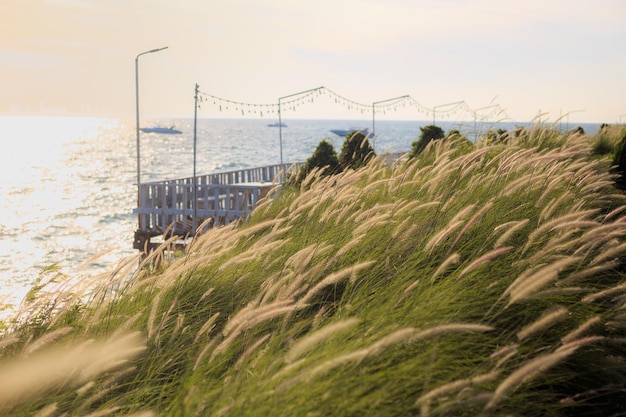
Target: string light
[{"x": 311, "y": 97}]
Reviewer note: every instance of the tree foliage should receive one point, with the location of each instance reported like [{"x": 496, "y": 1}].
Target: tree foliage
[
  {"x": 427, "y": 135},
  {"x": 324, "y": 157},
  {"x": 355, "y": 151}
]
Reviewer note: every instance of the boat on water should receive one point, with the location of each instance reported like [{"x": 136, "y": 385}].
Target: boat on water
[
  {"x": 276, "y": 124},
  {"x": 345, "y": 132},
  {"x": 158, "y": 129}
]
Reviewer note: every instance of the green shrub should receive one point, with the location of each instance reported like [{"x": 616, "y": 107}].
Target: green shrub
[
  {"x": 325, "y": 157},
  {"x": 355, "y": 151},
  {"x": 429, "y": 133}
]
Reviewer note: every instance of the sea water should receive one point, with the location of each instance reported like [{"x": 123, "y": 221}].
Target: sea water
[{"x": 68, "y": 185}]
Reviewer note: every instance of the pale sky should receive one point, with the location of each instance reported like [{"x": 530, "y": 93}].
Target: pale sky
[{"x": 77, "y": 57}]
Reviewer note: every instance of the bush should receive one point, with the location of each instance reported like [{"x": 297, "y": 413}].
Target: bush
[
  {"x": 355, "y": 151},
  {"x": 324, "y": 156},
  {"x": 460, "y": 142},
  {"x": 429, "y": 133}
]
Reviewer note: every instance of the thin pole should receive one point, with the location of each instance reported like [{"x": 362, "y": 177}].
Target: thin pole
[
  {"x": 280, "y": 123},
  {"x": 137, "y": 126},
  {"x": 194, "y": 223},
  {"x": 379, "y": 102},
  {"x": 476, "y": 116},
  {"x": 444, "y": 105}
]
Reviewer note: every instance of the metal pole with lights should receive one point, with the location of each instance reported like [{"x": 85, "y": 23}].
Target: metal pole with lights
[
  {"x": 280, "y": 120},
  {"x": 380, "y": 102},
  {"x": 444, "y": 105},
  {"x": 137, "y": 124}
]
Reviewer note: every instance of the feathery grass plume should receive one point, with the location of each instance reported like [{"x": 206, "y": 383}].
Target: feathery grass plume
[
  {"x": 207, "y": 326},
  {"x": 379, "y": 220},
  {"x": 526, "y": 181},
  {"x": 401, "y": 227},
  {"x": 333, "y": 279},
  {"x": 408, "y": 335},
  {"x": 580, "y": 330},
  {"x": 576, "y": 343},
  {"x": 305, "y": 344},
  {"x": 373, "y": 211},
  {"x": 503, "y": 354},
  {"x": 345, "y": 248},
  {"x": 507, "y": 163},
  {"x": 266, "y": 315},
  {"x": 85, "y": 388},
  {"x": 547, "y": 319},
  {"x": 614, "y": 213},
  {"x": 526, "y": 372},
  {"x": 8, "y": 340},
  {"x": 525, "y": 286},
  {"x": 153, "y": 312},
  {"x": 374, "y": 184},
  {"x": 605, "y": 293},
  {"x": 47, "y": 411},
  {"x": 470, "y": 223},
  {"x": 22, "y": 379},
  {"x": 259, "y": 227},
  {"x": 588, "y": 272},
  {"x": 249, "y": 312},
  {"x": 549, "y": 225},
  {"x": 298, "y": 285},
  {"x": 549, "y": 210},
  {"x": 301, "y": 259},
  {"x": 450, "y": 261},
  {"x": 554, "y": 183},
  {"x": 325, "y": 367},
  {"x": 604, "y": 232},
  {"x": 513, "y": 227},
  {"x": 309, "y": 206},
  {"x": 439, "y": 237},
  {"x": 348, "y": 209},
  {"x": 251, "y": 349},
  {"x": 487, "y": 257},
  {"x": 251, "y": 254},
  {"x": 208, "y": 346},
  {"x": 616, "y": 251},
  {"x": 472, "y": 160},
  {"x": 147, "y": 413},
  {"x": 446, "y": 389},
  {"x": 272, "y": 286},
  {"x": 44, "y": 340}
]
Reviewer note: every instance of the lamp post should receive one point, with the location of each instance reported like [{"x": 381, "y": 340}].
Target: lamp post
[
  {"x": 444, "y": 105},
  {"x": 137, "y": 106},
  {"x": 380, "y": 102},
  {"x": 280, "y": 120},
  {"x": 491, "y": 106},
  {"x": 137, "y": 124}
]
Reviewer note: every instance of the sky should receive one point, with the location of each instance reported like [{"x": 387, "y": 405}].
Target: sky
[{"x": 554, "y": 58}]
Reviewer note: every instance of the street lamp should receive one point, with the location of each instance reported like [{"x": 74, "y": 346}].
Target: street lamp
[
  {"x": 137, "y": 126},
  {"x": 137, "y": 106}
]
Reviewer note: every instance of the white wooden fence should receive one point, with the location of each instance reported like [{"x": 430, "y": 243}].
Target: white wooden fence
[{"x": 178, "y": 207}]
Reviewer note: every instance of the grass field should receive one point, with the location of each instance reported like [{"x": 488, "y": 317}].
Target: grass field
[{"x": 486, "y": 280}]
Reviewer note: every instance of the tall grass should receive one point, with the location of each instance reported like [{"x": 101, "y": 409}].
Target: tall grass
[{"x": 489, "y": 282}]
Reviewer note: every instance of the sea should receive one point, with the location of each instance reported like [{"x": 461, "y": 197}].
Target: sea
[{"x": 68, "y": 184}]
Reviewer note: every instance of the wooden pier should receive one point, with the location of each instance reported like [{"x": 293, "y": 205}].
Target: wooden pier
[{"x": 178, "y": 207}]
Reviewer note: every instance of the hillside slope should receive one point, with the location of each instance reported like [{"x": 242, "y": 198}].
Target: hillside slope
[{"x": 462, "y": 282}]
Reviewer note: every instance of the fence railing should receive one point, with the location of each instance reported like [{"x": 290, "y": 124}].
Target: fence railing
[{"x": 179, "y": 206}]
